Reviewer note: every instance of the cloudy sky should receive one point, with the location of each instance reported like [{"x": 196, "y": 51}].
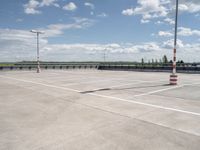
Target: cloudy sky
[{"x": 82, "y": 30}]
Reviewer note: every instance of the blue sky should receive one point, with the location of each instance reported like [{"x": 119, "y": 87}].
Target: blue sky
[{"x": 81, "y": 30}]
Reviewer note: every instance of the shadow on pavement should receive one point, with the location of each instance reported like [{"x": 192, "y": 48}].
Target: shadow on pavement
[{"x": 109, "y": 89}]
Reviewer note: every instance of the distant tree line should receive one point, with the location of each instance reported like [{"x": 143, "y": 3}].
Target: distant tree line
[{"x": 162, "y": 62}]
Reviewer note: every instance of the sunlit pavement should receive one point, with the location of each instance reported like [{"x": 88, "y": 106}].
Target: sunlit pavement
[{"x": 91, "y": 109}]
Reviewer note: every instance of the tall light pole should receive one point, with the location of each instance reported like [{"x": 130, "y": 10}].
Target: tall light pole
[
  {"x": 173, "y": 76},
  {"x": 106, "y": 49},
  {"x": 38, "y": 48},
  {"x": 104, "y": 54}
]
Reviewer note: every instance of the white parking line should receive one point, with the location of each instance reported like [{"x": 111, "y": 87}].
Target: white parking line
[
  {"x": 193, "y": 84},
  {"x": 146, "y": 104},
  {"x": 43, "y": 84},
  {"x": 157, "y": 91},
  {"x": 166, "y": 89},
  {"x": 109, "y": 97}
]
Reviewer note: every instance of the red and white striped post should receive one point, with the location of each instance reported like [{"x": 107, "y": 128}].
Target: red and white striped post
[{"x": 173, "y": 76}]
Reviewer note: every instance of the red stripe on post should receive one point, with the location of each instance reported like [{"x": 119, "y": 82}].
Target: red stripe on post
[
  {"x": 174, "y": 58},
  {"x": 174, "y": 50},
  {"x": 174, "y": 66},
  {"x": 173, "y": 75},
  {"x": 173, "y": 80}
]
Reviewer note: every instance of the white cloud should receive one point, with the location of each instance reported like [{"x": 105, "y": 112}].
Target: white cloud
[
  {"x": 158, "y": 22},
  {"x": 112, "y": 48},
  {"x": 183, "y": 7},
  {"x": 31, "y": 7},
  {"x": 188, "y": 32},
  {"x": 102, "y": 15},
  {"x": 185, "y": 51},
  {"x": 20, "y": 45},
  {"x": 128, "y": 12},
  {"x": 149, "y": 9},
  {"x": 164, "y": 2},
  {"x": 170, "y": 44},
  {"x": 22, "y": 42},
  {"x": 145, "y": 47},
  {"x": 89, "y": 5},
  {"x": 170, "y": 21},
  {"x": 54, "y": 30},
  {"x": 17, "y": 45},
  {"x": 83, "y": 47},
  {"x": 165, "y": 33},
  {"x": 182, "y": 31},
  {"x": 144, "y": 21},
  {"x": 49, "y": 3},
  {"x": 58, "y": 29},
  {"x": 12, "y": 34},
  {"x": 85, "y": 22},
  {"x": 70, "y": 6},
  {"x": 190, "y": 7},
  {"x": 155, "y": 9}
]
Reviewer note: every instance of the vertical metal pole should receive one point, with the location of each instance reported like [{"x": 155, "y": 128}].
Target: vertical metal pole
[
  {"x": 173, "y": 76},
  {"x": 175, "y": 39},
  {"x": 38, "y": 54},
  {"x": 38, "y": 48},
  {"x": 104, "y": 56}
]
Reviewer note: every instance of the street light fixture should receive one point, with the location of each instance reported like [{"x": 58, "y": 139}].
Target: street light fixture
[
  {"x": 38, "y": 52},
  {"x": 173, "y": 76}
]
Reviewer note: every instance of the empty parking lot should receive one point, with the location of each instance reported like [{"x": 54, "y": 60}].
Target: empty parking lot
[{"x": 91, "y": 109}]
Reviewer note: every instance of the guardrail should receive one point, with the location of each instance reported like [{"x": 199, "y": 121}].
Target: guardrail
[
  {"x": 33, "y": 67},
  {"x": 180, "y": 69},
  {"x": 187, "y": 68}
]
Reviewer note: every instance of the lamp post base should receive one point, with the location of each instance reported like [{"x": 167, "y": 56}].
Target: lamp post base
[{"x": 173, "y": 79}]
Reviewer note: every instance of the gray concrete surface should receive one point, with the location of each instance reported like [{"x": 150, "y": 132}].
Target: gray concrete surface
[{"x": 98, "y": 110}]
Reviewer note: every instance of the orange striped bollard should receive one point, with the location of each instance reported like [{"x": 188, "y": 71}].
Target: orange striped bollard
[{"x": 173, "y": 79}]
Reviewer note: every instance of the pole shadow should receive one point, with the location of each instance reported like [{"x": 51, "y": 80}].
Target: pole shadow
[{"x": 115, "y": 89}]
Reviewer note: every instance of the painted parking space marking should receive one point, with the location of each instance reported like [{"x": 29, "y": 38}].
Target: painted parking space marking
[{"x": 109, "y": 97}]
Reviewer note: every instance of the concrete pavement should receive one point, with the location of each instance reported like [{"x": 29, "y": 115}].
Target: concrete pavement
[{"x": 91, "y": 109}]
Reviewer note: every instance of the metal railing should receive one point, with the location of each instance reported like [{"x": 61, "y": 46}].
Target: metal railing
[{"x": 125, "y": 66}]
